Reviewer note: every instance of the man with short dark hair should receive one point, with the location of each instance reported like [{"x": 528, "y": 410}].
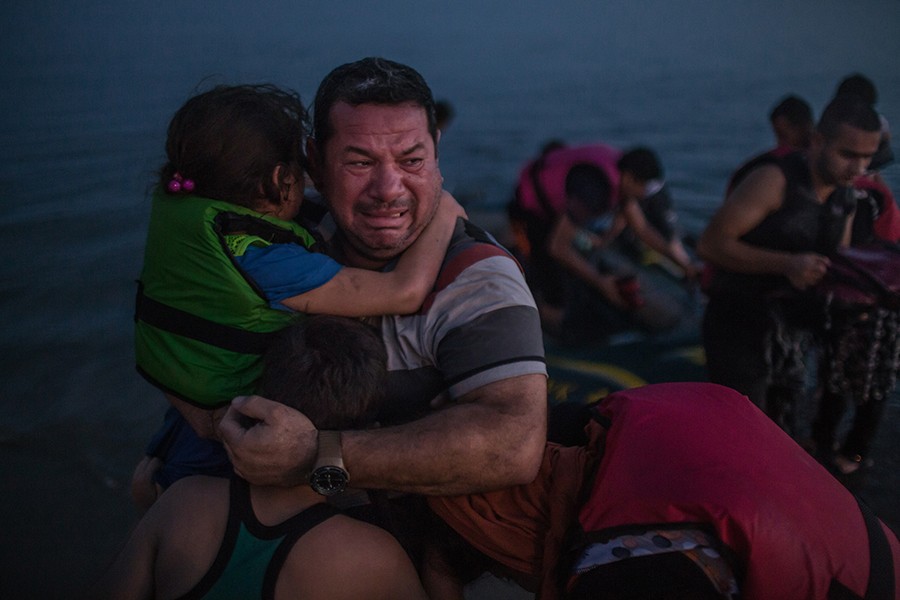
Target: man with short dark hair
[
  {"x": 768, "y": 243},
  {"x": 467, "y": 395},
  {"x": 572, "y": 200},
  {"x": 793, "y": 123}
]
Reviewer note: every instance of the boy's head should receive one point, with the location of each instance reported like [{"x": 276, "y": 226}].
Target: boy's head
[
  {"x": 640, "y": 173},
  {"x": 792, "y": 121},
  {"x": 332, "y": 369},
  {"x": 229, "y": 140}
]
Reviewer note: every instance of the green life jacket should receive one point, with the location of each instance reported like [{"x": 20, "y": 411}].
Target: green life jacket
[{"x": 201, "y": 326}]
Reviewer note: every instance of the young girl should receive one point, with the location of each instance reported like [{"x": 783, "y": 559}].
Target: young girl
[{"x": 222, "y": 229}]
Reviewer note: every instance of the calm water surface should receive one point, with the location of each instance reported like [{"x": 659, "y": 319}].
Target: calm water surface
[{"x": 88, "y": 91}]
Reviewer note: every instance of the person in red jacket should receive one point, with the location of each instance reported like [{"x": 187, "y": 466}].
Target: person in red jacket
[{"x": 682, "y": 490}]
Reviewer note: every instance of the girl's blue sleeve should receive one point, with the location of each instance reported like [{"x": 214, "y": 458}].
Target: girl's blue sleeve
[{"x": 285, "y": 270}]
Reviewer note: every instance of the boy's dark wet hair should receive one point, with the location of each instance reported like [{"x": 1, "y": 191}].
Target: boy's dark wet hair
[
  {"x": 847, "y": 110},
  {"x": 370, "y": 80},
  {"x": 795, "y": 109},
  {"x": 229, "y": 140},
  {"x": 642, "y": 163},
  {"x": 859, "y": 86},
  {"x": 332, "y": 369}
]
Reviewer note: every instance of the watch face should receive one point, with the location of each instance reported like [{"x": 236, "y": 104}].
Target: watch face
[{"x": 329, "y": 480}]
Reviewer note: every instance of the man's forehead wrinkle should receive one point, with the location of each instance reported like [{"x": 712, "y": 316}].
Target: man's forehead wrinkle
[{"x": 395, "y": 137}]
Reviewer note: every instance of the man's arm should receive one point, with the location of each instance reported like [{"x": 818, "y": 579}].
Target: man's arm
[
  {"x": 493, "y": 437},
  {"x": 560, "y": 247},
  {"x": 482, "y": 337},
  {"x": 648, "y": 234},
  {"x": 758, "y": 195}
]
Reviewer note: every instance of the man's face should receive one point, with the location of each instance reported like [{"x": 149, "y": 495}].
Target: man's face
[
  {"x": 846, "y": 156},
  {"x": 380, "y": 177}
]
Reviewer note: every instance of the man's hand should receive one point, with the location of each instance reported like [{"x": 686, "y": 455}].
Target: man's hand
[
  {"x": 268, "y": 442},
  {"x": 804, "y": 270}
]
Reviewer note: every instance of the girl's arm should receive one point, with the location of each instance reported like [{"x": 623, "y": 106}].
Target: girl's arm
[{"x": 360, "y": 292}]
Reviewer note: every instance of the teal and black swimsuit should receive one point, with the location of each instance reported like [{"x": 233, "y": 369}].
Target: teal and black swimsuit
[{"x": 252, "y": 554}]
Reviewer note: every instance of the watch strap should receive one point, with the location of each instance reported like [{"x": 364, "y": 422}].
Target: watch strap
[{"x": 329, "y": 452}]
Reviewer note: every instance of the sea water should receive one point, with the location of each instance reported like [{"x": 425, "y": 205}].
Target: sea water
[{"x": 88, "y": 89}]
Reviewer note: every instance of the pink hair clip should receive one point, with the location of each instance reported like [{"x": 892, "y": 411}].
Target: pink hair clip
[{"x": 180, "y": 184}]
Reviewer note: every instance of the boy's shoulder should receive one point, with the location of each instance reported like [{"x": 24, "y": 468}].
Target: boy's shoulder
[{"x": 345, "y": 557}]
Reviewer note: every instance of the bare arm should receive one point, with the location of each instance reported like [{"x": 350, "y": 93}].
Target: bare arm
[
  {"x": 202, "y": 420},
  {"x": 173, "y": 544},
  {"x": 636, "y": 219},
  {"x": 131, "y": 573},
  {"x": 345, "y": 559},
  {"x": 560, "y": 247},
  {"x": 758, "y": 195},
  {"x": 493, "y": 438},
  {"x": 361, "y": 292}
]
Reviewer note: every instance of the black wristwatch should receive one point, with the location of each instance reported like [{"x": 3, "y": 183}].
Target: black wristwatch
[{"x": 329, "y": 477}]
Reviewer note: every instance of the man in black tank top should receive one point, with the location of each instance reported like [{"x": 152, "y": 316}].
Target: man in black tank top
[{"x": 770, "y": 242}]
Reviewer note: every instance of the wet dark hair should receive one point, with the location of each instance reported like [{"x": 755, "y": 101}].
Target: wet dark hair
[
  {"x": 590, "y": 185},
  {"x": 860, "y": 86},
  {"x": 229, "y": 140},
  {"x": 642, "y": 163},
  {"x": 370, "y": 80},
  {"x": 795, "y": 109},
  {"x": 847, "y": 110},
  {"x": 332, "y": 369}
]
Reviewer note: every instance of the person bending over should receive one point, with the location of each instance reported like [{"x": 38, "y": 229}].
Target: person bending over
[{"x": 677, "y": 491}]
